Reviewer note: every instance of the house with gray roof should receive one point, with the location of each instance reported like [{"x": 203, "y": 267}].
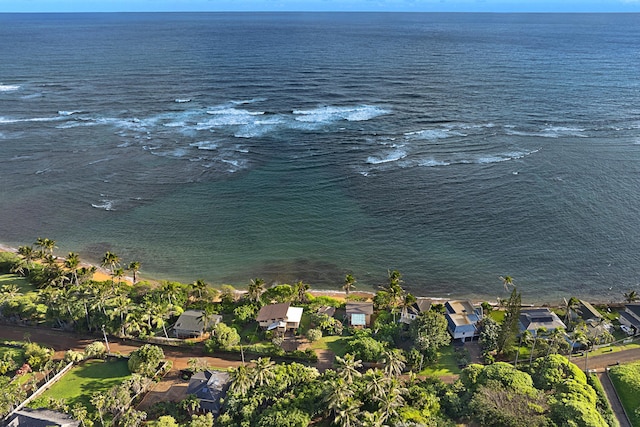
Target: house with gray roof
[
  {"x": 631, "y": 316},
  {"x": 462, "y": 319},
  {"x": 359, "y": 313},
  {"x": 41, "y": 418},
  {"x": 210, "y": 387},
  {"x": 533, "y": 319},
  {"x": 190, "y": 324},
  {"x": 409, "y": 314}
]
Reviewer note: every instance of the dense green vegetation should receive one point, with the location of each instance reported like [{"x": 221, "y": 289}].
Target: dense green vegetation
[
  {"x": 372, "y": 383},
  {"x": 626, "y": 379}
]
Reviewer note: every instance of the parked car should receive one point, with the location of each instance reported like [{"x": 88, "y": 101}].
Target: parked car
[{"x": 626, "y": 329}]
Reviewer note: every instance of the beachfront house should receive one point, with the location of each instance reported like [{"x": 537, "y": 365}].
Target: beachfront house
[
  {"x": 359, "y": 314},
  {"x": 210, "y": 387},
  {"x": 533, "y": 319},
  {"x": 631, "y": 316},
  {"x": 462, "y": 319},
  {"x": 191, "y": 324},
  {"x": 409, "y": 314},
  {"x": 41, "y": 418},
  {"x": 280, "y": 317}
]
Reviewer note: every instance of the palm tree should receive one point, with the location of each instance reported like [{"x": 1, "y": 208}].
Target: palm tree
[
  {"x": 111, "y": 261},
  {"x": 46, "y": 244},
  {"x": 571, "y": 307},
  {"x": 631, "y": 296},
  {"x": 118, "y": 274},
  {"x": 507, "y": 281},
  {"x": 134, "y": 266},
  {"x": 539, "y": 332},
  {"x": 240, "y": 380},
  {"x": 394, "y": 362},
  {"x": 199, "y": 286},
  {"x": 376, "y": 383},
  {"x": 392, "y": 400},
  {"x": 347, "y": 414},
  {"x": 348, "y": 367},
  {"x": 349, "y": 284},
  {"x": 190, "y": 404},
  {"x": 301, "y": 289},
  {"x": 207, "y": 317},
  {"x": 256, "y": 288},
  {"x": 263, "y": 371},
  {"x": 336, "y": 393},
  {"x": 71, "y": 263}
]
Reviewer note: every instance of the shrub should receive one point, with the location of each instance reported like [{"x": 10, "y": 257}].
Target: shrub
[
  {"x": 222, "y": 337},
  {"x": 145, "y": 360},
  {"x": 73, "y": 356},
  {"x": 95, "y": 350},
  {"x": 37, "y": 356},
  {"x": 314, "y": 334}
]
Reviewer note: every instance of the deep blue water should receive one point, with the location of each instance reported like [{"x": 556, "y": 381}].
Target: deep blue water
[{"x": 455, "y": 148}]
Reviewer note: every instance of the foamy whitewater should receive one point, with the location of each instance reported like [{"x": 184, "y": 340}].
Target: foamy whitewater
[{"x": 224, "y": 147}]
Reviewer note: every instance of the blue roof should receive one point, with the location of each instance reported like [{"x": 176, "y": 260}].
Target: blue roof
[{"x": 358, "y": 319}]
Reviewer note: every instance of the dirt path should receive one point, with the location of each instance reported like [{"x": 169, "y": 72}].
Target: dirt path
[{"x": 613, "y": 399}]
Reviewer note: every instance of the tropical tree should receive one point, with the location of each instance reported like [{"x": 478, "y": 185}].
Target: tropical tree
[
  {"x": 631, "y": 296},
  {"x": 241, "y": 380},
  {"x": 263, "y": 373},
  {"x": 71, "y": 263},
  {"x": 349, "y": 284},
  {"x": 111, "y": 261},
  {"x": 199, "y": 286},
  {"x": 429, "y": 331},
  {"x": 510, "y": 323},
  {"x": 255, "y": 290},
  {"x": 134, "y": 267},
  {"x": 394, "y": 362},
  {"x": 348, "y": 367},
  {"x": 301, "y": 289},
  {"x": 507, "y": 282},
  {"x": 46, "y": 245}
]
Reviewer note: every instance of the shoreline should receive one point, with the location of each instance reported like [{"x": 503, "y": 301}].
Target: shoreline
[{"x": 103, "y": 274}]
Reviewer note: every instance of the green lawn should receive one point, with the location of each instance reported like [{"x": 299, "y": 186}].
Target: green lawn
[
  {"x": 497, "y": 315},
  {"x": 13, "y": 279},
  {"x": 447, "y": 364},
  {"x": 334, "y": 343},
  {"x": 81, "y": 382},
  {"x": 626, "y": 379}
]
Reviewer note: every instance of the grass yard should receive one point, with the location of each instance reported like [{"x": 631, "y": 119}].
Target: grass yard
[
  {"x": 13, "y": 279},
  {"x": 334, "y": 343},
  {"x": 626, "y": 380},
  {"x": 447, "y": 364},
  {"x": 81, "y": 382}
]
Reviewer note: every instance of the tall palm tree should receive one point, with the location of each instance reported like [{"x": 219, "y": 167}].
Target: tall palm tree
[
  {"x": 301, "y": 289},
  {"x": 46, "y": 245},
  {"x": 349, "y": 284},
  {"x": 348, "y": 367},
  {"x": 256, "y": 288},
  {"x": 199, "y": 286},
  {"x": 540, "y": 332},
  {"x": 507, "y": 281},
  {"x": 394, "y": 362},
  {"x": 71, "y": 263},
  {"x": 263, "y": 371},
  {"x": 347, "y": 414},
  {"x": 134, "y": 267},
  {"x": 336, "y": 393},
  {"x": 240, "y": 380},
  {"x": 112, "y": 261},
  {"x": 376, "y": 383},
  {"x": 631, "y": 296}
]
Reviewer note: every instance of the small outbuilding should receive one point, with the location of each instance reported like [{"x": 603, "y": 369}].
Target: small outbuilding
[{"x": 359, "y": 313}]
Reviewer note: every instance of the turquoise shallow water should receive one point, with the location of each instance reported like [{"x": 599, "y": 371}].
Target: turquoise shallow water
[{"x": 454, "y": 148}]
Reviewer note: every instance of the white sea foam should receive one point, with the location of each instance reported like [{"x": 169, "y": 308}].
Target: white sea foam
[
  {"x": 549, "y": 132},
  {"x": 204, "y": 145},
  {"x": 330, "y": 114},
  {"x": 434, "y": 134},
  {"x": 391, "y": 157},
  {"x": 9, "y": 88},
  {"x": 182, "y": 100},
  {"x": 432, "y": 163},
  {"x": 104, "y": 204},
  {"x": 69, "y": 113}
]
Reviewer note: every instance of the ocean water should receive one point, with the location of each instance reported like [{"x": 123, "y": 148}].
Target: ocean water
[{"x": 455, "y": 148}]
